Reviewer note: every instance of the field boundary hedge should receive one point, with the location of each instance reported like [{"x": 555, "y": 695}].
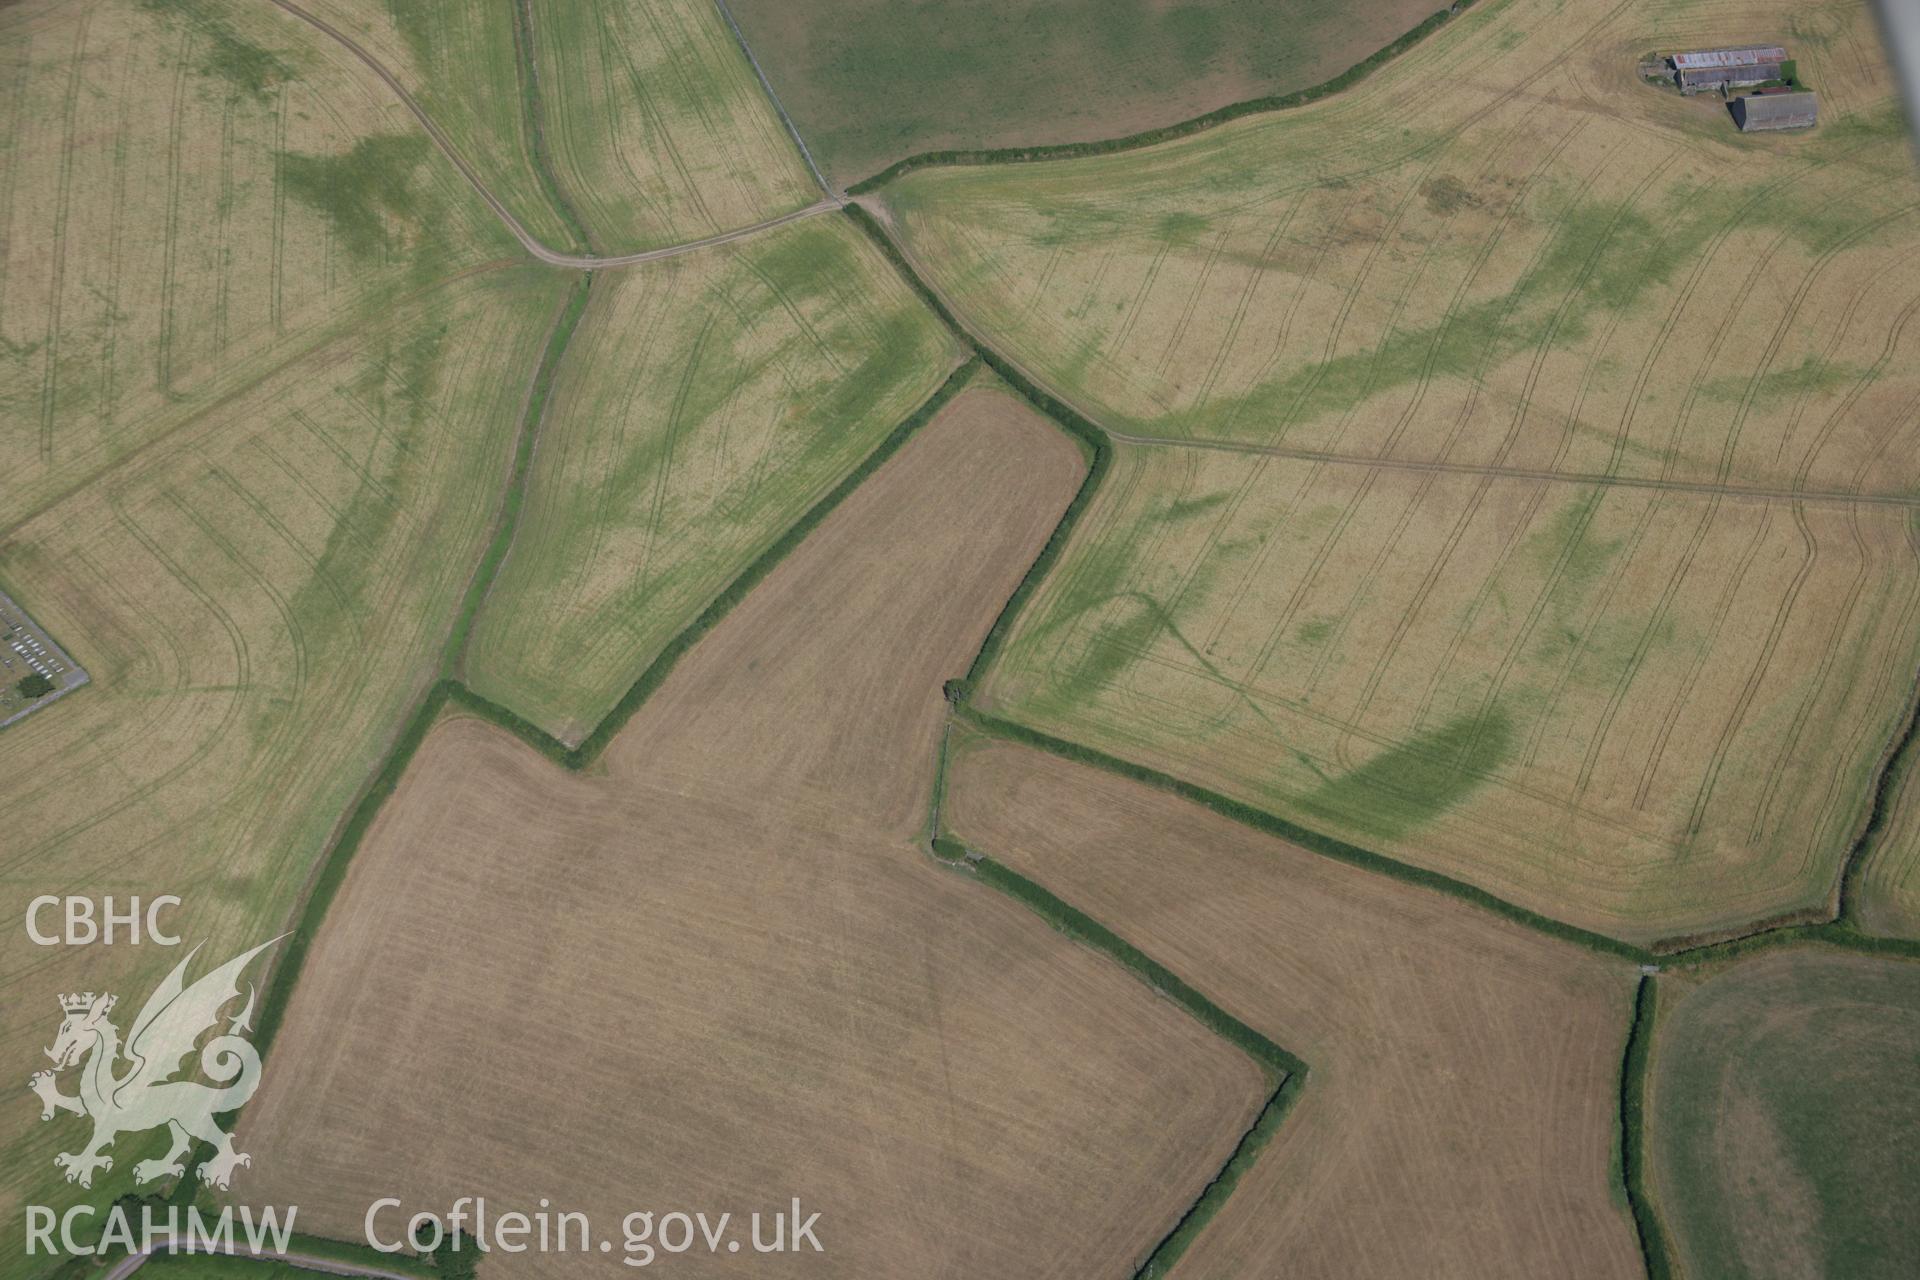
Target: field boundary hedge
[
  {"x": 1166, "y": 133},
  {"x": 1286, "y": 1072},
  {"x": 507, "y": 522},
  {"x": 332, "y": 869},
  {"x": 1894, "y": 769},
  {"x": 1271, "y": 824},
  {"x": 1633, "y": 1139},
  {"x": 533, "y": 115}
]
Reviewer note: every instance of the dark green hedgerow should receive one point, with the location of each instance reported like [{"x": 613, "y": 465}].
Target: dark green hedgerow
[
  {"x": 1233, "y": 111},
  {"x": 1832, "y": 933},
  {"x": 1209, "y": 1203},
  {"x": 1081, "y": 927},
  {"x": 533, "y": 118},
  {"x": 509, "y": 520},
  {"x": 657, "y": 670},
  {"x": 1287, "y": 1072},
  {"x": 333, "y": 867},
  {"x": 1633, "y": 1140},
  {"x": 1896, "y": 766},
  {"x": 1099, "y": 450}
]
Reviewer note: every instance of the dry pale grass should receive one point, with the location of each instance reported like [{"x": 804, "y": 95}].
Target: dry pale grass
[
  {"x": 1461, "y": 1100},
  {"x": 715, "y": 972}
]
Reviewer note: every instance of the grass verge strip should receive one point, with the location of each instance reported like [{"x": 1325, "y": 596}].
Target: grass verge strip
[
  {"x": 1147, "y": 138},
  {"x": 509, "y": 518},
  {"x": 1633, "y": 1136}
]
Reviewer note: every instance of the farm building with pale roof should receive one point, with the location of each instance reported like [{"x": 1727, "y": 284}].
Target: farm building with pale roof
[{"x": 1704, "y": 70}]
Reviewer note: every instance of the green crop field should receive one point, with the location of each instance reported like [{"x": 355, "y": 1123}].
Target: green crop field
[
  {"x": 1782, "y": 1101},
  {"x": 708, "y": 401},
  {"x": 1487, "y": 464},
  {"x": 607, "y": 127},
  {"x": 870, "y": 82}
]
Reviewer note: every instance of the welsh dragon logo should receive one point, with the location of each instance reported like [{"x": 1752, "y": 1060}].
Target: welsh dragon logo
[{"x": 145, "y": 1095}]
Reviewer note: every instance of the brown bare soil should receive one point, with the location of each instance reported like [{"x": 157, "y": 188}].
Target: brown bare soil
[
  {"x": 715, "y": 974},
  {"x": 1459, "y": 1111}
]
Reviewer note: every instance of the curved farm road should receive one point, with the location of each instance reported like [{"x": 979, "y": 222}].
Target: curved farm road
[{"x": 588, "y": 262}]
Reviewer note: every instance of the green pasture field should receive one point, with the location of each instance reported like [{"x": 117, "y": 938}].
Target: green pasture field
[
  {"x": 869, "y": 82},
  {"x": 706, "y": 403},
  {"x": 1783, "y": 1092},
  {"x": 1486, "y": 475}
]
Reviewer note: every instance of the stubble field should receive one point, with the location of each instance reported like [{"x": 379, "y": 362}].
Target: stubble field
[
  {"x": 707, "y": 401},
  {"x": 728, "y": 976},
  {"x": 1458, "y": 1114},
  {"x": 1515, "y": 466}
]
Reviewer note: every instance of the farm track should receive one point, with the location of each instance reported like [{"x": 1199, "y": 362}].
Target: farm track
[
  {"x": 584, "y": 262},
  {"x": 1596, "y": 478}
]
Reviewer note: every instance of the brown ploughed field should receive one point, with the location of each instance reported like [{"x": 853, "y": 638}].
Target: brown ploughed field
[
  {"x": 1460, "y": 1106},
  {"x": 725, "y": 931}
]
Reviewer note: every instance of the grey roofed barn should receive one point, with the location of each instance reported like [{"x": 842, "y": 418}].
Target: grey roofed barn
[
  {"x": 1775, "y": 111},
  {"x": 1701, "y": 70}
]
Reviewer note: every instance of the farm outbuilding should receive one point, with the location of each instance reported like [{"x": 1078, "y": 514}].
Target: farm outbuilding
[
  {"x": 1775, "y": 111},
  {"x": 1704, "y": 70}
]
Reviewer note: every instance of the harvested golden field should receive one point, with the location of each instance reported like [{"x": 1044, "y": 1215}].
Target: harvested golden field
[
  {"x": 609, "y": 127},
  {"x": 716, "y": 971},
  {"x": 192, "y": 196},
  {"x": 1515, "y": 465},
  {"x": 1460, "y": 1107},
  {"x": 1647, "y": 712},
  {"x": 706, "y": 402},
  {"x": 1781, "y": 1108}
]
